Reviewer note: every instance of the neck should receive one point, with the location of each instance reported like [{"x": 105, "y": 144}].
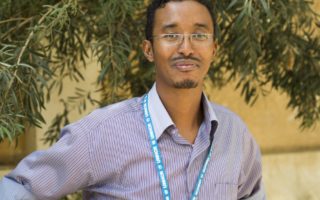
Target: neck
[{"x": 184, "y": 108}]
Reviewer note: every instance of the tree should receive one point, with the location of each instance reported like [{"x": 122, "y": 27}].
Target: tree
[{"x": 262, "y": 43}]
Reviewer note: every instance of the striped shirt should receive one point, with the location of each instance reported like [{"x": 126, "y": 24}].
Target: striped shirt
[{"x": 107, "y": 155}]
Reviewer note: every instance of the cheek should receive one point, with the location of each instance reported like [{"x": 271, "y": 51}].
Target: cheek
[
  {"x": 208, "y": 56},
  {"x": 162, "y": 55},
  {"x": 163, "y": 51}
]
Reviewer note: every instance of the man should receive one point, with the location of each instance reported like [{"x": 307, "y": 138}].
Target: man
[{"x": 172, "y": 143}]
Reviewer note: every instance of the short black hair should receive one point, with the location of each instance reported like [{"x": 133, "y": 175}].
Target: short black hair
[{"x": 156, "y": 4}]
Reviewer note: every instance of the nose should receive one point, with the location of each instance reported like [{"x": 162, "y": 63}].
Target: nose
[{"x": 185, "y": 47}]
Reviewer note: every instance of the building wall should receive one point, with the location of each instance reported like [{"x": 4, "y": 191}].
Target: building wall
[
  {"x": 273, "y": 126},
  {"x": 292, "y": 176}
]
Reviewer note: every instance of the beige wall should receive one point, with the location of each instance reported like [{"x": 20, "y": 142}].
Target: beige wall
[
  {"x": 274, "y": 127},
  {"x": 55, "y": 105},
  {"x": 11, "y": 153},
  {"x": 292, "y": 176}
]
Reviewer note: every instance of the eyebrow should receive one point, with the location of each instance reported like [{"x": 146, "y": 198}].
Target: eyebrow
[
  {"x": 169, "y": 26},
  {"x": 199, "y": 25},
  {"x": 174, "y": 25}
]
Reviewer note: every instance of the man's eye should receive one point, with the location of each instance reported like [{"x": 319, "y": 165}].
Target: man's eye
[
  {"x": 171, "y": 36},
  {"x": 200, "y": 36}
]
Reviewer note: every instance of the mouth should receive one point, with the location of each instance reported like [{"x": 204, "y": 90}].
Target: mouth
[{"x": 185, "y": 66}]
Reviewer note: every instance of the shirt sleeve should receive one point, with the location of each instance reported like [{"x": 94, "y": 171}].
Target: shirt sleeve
[
  {"x": 62, "y": 169},
  {"x": 11, "y": 190},
  {"x": 250, "y": 182}
]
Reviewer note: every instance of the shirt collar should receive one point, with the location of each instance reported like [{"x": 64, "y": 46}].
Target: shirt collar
[{"x": 160, "y": 117}]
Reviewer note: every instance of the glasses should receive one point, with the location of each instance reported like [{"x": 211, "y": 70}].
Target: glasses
[{"x": 196, "y": 39}]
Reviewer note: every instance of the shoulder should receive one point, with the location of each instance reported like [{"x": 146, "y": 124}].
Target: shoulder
[
  {"x": 225, "y": 115},
  {"x": 108, "y": 114},
  {"x": 231, "y": 126}
]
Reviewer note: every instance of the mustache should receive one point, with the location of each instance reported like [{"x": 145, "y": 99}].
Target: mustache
[{"x": 184, "y": 58}]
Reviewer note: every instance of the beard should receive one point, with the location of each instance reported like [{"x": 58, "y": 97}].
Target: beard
[{"x": 186, "y": 84}]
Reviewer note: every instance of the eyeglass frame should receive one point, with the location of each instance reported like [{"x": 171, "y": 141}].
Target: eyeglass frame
[{"x": 182, "y": 36}]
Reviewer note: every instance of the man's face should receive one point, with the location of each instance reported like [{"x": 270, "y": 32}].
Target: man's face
[{"x": 183, "y": 64}]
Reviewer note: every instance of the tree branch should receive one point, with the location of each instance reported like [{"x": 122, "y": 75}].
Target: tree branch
[
  {"x": 13, "y": 19},
  {"x": 31, "y": 35}
]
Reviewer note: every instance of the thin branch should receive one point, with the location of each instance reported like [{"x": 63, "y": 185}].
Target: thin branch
[
  {"x": 13, "y": 19},
  {"x": 31, "y": 35},
  {"x": 16, "y": 28}
]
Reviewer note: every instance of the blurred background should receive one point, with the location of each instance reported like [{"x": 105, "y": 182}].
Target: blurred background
[{"x": 78, "y": 64}]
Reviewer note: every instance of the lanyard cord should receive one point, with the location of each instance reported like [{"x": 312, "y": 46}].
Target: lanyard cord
[{"x": 158, "y": 158}]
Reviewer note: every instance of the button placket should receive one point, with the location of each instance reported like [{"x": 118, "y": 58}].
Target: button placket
[{"x": 189, "y": 176}]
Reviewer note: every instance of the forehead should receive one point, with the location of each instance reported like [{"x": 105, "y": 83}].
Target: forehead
[{"x": 182, "y": 14}]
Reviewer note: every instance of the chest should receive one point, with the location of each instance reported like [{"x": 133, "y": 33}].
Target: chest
[{"x": 128, "y": 172}]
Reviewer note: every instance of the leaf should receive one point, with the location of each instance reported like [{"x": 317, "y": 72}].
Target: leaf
[
  {"x": 232, "y": 3},
  {"x": 265, "y": 6},
  {"x": 103, "y": 72},
  {"x": 5, "y": 64},
  {"x": 27, "y": 66},
  {"x": 6, "y": 133}
]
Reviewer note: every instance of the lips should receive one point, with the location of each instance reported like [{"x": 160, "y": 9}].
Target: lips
[{"x": 185, "y": 66}]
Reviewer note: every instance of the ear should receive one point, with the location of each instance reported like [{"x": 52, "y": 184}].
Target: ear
[
  {"x": 148, "y": 50},
  {"x": 214, "y": 51}
]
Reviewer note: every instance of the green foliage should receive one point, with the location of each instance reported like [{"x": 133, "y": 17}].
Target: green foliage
[
  {"x": 272, "y": 44},
  {"x": 262, "y": 44}
]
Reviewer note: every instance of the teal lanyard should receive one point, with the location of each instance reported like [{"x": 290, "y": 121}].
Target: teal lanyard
[{"x": 158, "y": 159}]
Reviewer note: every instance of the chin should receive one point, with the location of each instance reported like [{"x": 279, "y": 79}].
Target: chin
[{"x": 186, "y": 84}]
